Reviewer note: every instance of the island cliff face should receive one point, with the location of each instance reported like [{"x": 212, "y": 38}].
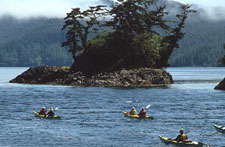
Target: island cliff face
[
  {"x": 135, "y": 78},
  {"x": 221, "y": 85}
]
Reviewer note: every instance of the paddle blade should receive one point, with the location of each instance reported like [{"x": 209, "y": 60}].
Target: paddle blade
[
  {"x": 148, "y": 106},
  {"x": 56, "y": 108}
]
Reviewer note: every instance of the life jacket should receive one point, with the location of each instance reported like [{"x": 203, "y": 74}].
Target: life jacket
[
  {"x": 42, "y": 112},
  {"x": 51, "y": 113},
  {"x": 133, "y": 112},
  {"x": 142, "y": 113},
  {"x": 182, "y": 137}
]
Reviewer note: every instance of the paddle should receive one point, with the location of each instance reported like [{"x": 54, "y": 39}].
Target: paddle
[
  {"x": 147, "y": 106},
  {"x": 190, "y": 130}
]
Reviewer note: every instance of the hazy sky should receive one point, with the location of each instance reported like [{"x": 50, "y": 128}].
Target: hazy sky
[
  {"x": 214, "y": 9},
  {"x": 208, "y": 3},
  {"x": 59, "y": 8},
  {"x": 50, "y": 8}
]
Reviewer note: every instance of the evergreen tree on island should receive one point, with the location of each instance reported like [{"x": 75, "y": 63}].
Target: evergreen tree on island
[{"x": 131, "y": 34}]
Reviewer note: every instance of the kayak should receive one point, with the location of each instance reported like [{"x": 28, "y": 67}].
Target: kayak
[
  {"x": 46, "y": 116},
  {"x": 127, "y": 114},
  {"x": 220, "y": 129},
  {"x": 181, "y": 143}
]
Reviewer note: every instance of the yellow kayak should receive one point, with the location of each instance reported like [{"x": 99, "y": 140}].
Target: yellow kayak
[
  {"x": 127, "y": 114},
  {"x": 46, "y": 116},
  {"x": 181, "y": 143}
]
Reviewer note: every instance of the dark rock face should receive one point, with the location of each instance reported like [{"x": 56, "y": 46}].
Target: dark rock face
[
  {"x": 143, "y": 77},
  {"x": 221, "y": 85}
]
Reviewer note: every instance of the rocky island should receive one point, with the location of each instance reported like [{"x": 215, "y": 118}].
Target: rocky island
[
  {"x": 143, "y": 77},
  {"x": 221, "y": 85},
  {"x": 130, "y": 52}
]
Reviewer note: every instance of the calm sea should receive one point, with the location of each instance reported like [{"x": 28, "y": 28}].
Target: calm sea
[{"x": 92, "y": 116}]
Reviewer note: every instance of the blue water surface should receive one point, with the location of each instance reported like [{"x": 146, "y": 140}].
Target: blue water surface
[{"x": 92, "y": 116}]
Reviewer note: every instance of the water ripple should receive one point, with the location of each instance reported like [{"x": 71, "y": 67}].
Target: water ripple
[{"x": 92, "y": 116}]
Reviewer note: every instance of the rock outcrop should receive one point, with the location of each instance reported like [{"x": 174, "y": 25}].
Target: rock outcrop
[
  {"x": 143, "y": 77},
  {"x": 221, "y": 85}
]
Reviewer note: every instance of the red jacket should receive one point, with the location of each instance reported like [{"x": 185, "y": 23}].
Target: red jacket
[
  {"x": 42, "y": 112},
  {"x": 142, "y": 113}
]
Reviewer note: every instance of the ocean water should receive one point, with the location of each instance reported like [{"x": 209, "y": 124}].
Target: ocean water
[{"x": 92, "y": 116}]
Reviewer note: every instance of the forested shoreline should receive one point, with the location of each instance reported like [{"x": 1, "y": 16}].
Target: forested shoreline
[
  {"x": 202, "y": 44},
  {"x": 32, "y": 42},
  {"x": 37, "y": 42}
]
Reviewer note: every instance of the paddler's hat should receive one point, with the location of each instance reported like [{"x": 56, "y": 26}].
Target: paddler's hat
[
  {"x": 51, "y": 108},
  {"x": 43, "y": 107},
  {"x": 133, "y": 108}
]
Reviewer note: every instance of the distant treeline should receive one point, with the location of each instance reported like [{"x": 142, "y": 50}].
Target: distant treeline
[
  {"x": 36, "y": 42},
  {"x": 202, "y": 45},
  {"x": 32, "y": 42}
]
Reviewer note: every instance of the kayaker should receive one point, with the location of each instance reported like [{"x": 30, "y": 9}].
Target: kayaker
[
  {"x": 142, "y": 113},
  {"x": 133, "y": 111},
  {"x": 43, "y": 111},
  {"x": 182, "y": 136},
  {"x": 51, "y": 112}
]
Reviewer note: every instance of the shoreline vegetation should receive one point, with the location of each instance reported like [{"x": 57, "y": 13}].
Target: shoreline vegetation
[{"x": 133, "y": 44}]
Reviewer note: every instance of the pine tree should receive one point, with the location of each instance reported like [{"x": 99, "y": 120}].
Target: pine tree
[{"x": 79, "y": 24}]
